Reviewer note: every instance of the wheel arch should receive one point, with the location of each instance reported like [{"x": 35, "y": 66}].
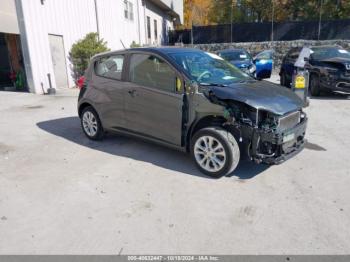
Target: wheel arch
[
  {"x": 203, "y": 122},
  {"x": 83, "y": 106},
  {"x": 314, "y": 73}
]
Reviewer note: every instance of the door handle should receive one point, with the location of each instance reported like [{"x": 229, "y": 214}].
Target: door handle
[{"x": 132, "y": 92}]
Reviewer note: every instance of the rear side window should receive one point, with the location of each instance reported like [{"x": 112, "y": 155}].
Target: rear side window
[
  {"x": 151, "y": 71},
  {"x": 110, "y": 67}
]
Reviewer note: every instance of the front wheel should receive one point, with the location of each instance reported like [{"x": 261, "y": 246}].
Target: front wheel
[
  {"x": 283, "y": 80},
  {"x": 215, "y": 151},
  {"x": 314, "y": 85}
]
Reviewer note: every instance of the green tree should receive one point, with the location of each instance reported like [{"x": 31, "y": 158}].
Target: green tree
[
  {"x": 297, "y": 10},
  {"x": 285, "y": 10},
  {"x": 134, "y": 45},
  {"x": 241, "y": 11},
  {"x": 83, "y": 50},
  {"x": 221, "y": 11},
  {"x": 196, "y": 12}
]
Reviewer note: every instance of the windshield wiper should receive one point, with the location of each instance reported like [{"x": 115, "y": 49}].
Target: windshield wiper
[
  {"x": 212, "y": 84},
  {"x": 246, "y": 81}
]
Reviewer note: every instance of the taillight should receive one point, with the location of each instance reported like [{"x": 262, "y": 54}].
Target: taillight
[{"x": 81, "y": 82}]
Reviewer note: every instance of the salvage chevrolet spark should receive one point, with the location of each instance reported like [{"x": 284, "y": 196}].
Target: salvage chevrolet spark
[{"x": 193, "y": 101}]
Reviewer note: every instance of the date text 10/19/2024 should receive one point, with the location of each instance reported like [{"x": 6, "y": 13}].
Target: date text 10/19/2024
[{"x": 173, "y": 258}]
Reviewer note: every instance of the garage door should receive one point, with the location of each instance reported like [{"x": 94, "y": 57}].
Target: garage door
[{"x": 58, "y": 60}]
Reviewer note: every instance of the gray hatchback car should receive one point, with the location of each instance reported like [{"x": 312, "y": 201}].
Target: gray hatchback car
[{"x": 193, "y": 101}]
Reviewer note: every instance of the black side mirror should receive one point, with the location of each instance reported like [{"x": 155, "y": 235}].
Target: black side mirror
[{"x": 191, "y": 87}]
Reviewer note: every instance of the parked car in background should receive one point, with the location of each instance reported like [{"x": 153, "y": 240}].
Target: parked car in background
[
  {"x": 329, "y": 68},
  {"x": 80, "y": 82},
  {"x": 239, "y": 58},
  {"x": 193, "y": 101},
  {"x": 264, "y": 64},
  {"x": 260, "y": 66}
]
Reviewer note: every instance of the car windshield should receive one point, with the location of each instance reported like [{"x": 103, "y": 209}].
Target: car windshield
[
  {"x": 329, "y": 52},
  {"x": 207, "y": 68},
  {"x": 236, "y": 55}
]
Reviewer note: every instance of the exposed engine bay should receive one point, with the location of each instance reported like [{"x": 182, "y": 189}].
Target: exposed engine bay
[{"x": 266, "y": 137}]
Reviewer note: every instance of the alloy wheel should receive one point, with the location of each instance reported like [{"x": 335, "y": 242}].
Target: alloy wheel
[
  {"x": 90, "y": 124},
  {"x": 209, "y": 153}
]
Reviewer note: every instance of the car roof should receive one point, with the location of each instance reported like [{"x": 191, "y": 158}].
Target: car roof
[
  {"x": 158, "y": 50},
  {"x": 166, "y": 49}
]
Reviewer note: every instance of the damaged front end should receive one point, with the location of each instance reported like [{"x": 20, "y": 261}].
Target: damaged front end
[{"x": 266, "y": 137}]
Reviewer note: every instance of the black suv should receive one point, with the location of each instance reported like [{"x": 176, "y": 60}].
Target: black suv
[
  {"x": 329, "y": 68},
  {"x": 193, "y": 101}
]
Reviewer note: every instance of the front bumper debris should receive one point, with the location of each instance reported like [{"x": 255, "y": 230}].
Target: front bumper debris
[{"x": 272, "y": 148}]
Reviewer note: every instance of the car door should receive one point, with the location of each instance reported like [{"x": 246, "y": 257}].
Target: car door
[
  {"x": 264, "y": 63},
  {"x": 154, "y": 98},
  {"x": 109, "y": 86}
]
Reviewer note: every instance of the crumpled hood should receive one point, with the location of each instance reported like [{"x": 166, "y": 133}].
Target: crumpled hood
[{"x": 261, "y": 95}]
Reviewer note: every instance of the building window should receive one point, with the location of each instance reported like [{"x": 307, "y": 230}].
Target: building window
[
  {"x": 128, "y": 10},
  {"x": 148, "y": 27},
  {"x": 155, "y": 30},
  {"x": 131, "y": 11}
]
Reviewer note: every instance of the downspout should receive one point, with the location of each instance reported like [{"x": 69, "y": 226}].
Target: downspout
[
  {"x": 24, "y": 46},
  {"x": 145, "y": 22},
  {"x": 138, "y": 21},
  {"x": 97, "y": 21}
]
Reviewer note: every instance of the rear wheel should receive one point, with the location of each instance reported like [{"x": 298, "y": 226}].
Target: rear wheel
[
  {"x": 91, "y": 124},
  {"x": 283, "y": 80},
  {"x": 314, "y": 85},
  {"x": 215, "y": 151}
]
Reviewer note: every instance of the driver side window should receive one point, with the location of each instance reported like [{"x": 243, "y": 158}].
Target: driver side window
[{"x": 151, "y": 71}]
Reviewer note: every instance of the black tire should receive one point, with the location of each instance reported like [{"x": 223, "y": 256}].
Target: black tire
[
  {"x": 283, "y": 80},
  {"x": 314, "y": 85},
  {"x": 99, "y": 133},
  {"x": 229, "y": 145}
]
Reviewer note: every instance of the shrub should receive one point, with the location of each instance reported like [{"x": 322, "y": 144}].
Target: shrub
[
  {"x": 83, "y": 50},
  {"x": 134, "y": 45}
]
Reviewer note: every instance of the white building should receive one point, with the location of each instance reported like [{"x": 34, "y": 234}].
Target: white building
[{"x": 37, "y": 35}]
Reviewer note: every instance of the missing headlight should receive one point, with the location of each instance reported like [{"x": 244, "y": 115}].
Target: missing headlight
[{"x": 268, "y": 121}]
